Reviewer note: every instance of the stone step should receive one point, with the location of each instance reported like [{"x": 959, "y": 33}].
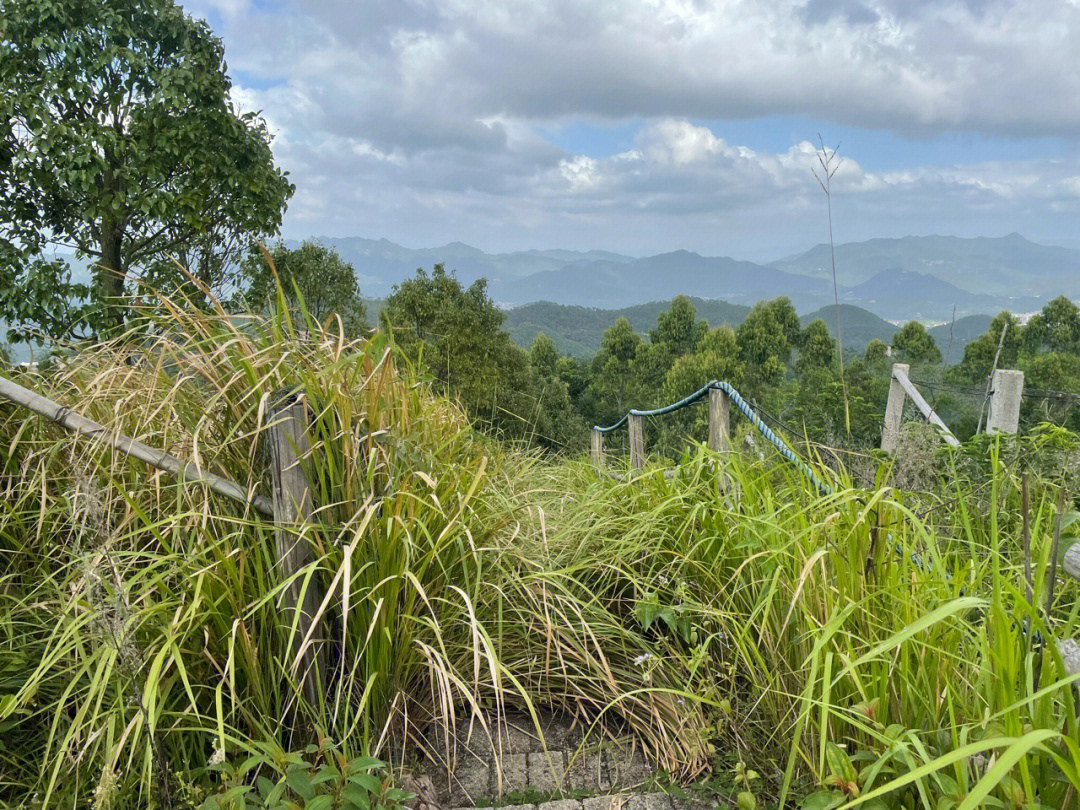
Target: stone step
[{"x": 621, "y": 801}]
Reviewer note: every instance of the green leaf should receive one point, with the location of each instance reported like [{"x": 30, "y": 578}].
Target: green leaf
[
  {"x": 839, "y": 764},
  {"x": 265, "y": 786},
  {"x": 300, "y": 783},
  {"x": 823, "y": 800},
  {"x": 367, "y": 781}
]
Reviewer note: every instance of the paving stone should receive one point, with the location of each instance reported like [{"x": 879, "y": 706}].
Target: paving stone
[
  {"x": 627, "y": 769},
  {"x": 648, "y": 801},
  {"x": 514, "y": 775},
  {"x": 693, "y": 803},
  {"x": 587, "y": 771},
  {"x": 472, "y": 779},
  {"x": 559, "y": 733},
  {"x": 440, "y": 778},
  {"x": 517, "y": 735},
  {"x": 546, "y": 770},
  {"x": 561, "y": 804},
  {"x": 604, "y": 803}
]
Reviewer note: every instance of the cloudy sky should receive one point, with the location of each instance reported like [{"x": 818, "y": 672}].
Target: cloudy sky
[{"x": 649, "y": 125}]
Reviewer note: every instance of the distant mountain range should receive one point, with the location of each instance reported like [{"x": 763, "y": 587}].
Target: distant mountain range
[
  {"x": 921, "y": 277},
  {"x": 926, "y": 278}
]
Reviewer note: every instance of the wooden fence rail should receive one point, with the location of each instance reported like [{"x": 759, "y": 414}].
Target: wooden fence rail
[
  {"x": 184, "y": 470},
  {"x": 290, "y": 507}
]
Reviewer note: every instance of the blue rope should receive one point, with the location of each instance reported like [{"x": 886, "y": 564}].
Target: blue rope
[{"x": 747, "y": 411}]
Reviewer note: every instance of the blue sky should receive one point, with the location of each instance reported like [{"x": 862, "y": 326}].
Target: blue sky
[{"x": 651, "y": 125}]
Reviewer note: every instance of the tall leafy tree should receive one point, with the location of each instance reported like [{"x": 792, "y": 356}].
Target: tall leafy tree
[
  {"x": 766, "y": 339},
  {"x": 456, "y": 332},
  {"x": 817, "y": 349},
  {"x": 1055, "y": 329},
  {"x": 312, "y": 272},
  {"x": 543, "y": 355},
  {"x": 678, "y": 328},
  {"x": 119, "y": 139},
  {"x": 614, "y": 388},
  {"x": 876, "y": 354},
  {"x": 979, "y": 354},
  {"x": 914, "y": 344}
]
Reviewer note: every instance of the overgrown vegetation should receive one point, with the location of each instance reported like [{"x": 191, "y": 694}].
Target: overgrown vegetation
[{"x": 872, "y": 643}]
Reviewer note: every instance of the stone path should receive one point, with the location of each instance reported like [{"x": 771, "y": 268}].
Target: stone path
[{"x": 513, "y": 767}]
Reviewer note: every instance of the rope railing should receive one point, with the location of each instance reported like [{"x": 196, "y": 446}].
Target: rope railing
[{"x": 733, "y": 396}]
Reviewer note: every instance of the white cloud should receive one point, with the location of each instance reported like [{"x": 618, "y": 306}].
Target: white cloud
[{"x": 421, "y": 119}]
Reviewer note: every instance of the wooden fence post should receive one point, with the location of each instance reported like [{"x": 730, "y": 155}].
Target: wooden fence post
[
  {"x": 1007, "y": 389},
  {"x": 597, "y": 448},
  {"x": 894, "y": 409},
  {"x": 288, "y": 431},
  {"x": 719, "y": 424},
  {"x": 637, "y": 442}
]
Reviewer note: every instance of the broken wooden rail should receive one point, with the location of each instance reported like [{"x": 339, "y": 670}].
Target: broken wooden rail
[
  {"x": 290, "y": 508},
  {"x": 184, "y": 470}
]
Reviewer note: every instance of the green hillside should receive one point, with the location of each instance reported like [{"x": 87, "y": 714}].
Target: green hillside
[
  {"x": 859, "y": 325},
  {"x": 964, "y": 331}
]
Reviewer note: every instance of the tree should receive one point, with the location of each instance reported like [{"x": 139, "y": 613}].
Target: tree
[
  {"x": 914, "y": 344},
  {"x": 765, "y": 339},
  {"x": 979, "y": 354},
  {"x": 316, "y": 273},
  {"x": 817, "y": 349},
  {"x": 457, "y": 333},
  {"x": 715, "y": 356},
  {"x": 614, "y": 388},
  {"x": 1055, "y": 329},
  {"x": 875, "y": 355},
  {"x": 544, "y": 356},
  {"x": 119, "y": 139},
  {"x": 678, "y": 329}
]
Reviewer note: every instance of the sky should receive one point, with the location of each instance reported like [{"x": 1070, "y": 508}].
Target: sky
[{"x": 643, "y": 126}]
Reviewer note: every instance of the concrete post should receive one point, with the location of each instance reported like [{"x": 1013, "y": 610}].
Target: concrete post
[
  {"x": 719, "y": 426},
  {"x": 894, "y": 410},
  {"x": 597, "y": 445},
  {"x": 637, "y": 442},
  {"x": 1007, "y": 388}
]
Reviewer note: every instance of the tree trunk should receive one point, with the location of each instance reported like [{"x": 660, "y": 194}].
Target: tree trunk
[{"x": 110, "y": 274}]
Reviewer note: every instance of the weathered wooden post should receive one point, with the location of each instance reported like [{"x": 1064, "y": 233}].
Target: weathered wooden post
[
  {"x": 597, "y": 445},
  {"x": 288, "y": 436},
  {"x": 637, "y": 442},
  {"x": 894, "y": 409},
  {"x": 1007, "y": 388},
  {"x": 719, "y": 421}
]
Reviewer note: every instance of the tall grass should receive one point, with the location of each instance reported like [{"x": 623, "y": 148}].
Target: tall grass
[
  {"x": 875, "y": 645},
  {"x": 848, "y": 632},
  {"x": 143, "y": 620}
]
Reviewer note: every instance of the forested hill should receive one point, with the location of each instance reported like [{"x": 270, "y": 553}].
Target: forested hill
[{"x": 577, "y": 330}]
